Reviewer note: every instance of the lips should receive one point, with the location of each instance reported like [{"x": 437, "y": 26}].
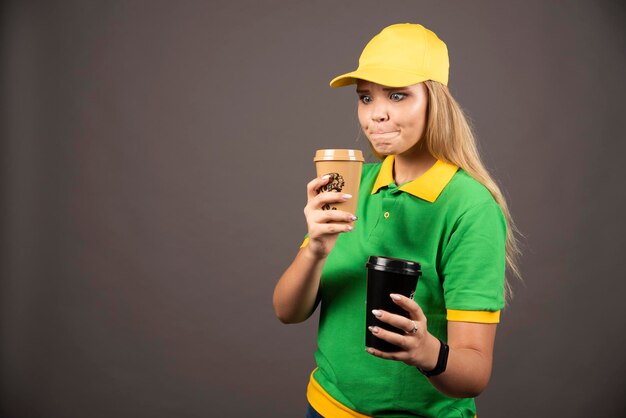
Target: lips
[{"x": 383, "y": 134}]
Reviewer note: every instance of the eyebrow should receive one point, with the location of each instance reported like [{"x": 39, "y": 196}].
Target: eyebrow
[{"x": 361, "y": 91}]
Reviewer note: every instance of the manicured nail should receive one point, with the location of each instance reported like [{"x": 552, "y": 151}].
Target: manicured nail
[
  {"x": 395, "y": 297},
  {"x": 377, "y": 313},
  {"x": 349, "y": 228},
  {"x": 374, "y": 330},
  {"x": 369, "y": 350},
  {"x": 325, "y": 177},
  {"x": 354, "y": 218},
  {"x": 347, "y": 196}
]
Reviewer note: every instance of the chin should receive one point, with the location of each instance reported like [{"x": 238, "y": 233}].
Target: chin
[
  {"x": 383, "y": 151},
  {"x": 379, "y": 154}
]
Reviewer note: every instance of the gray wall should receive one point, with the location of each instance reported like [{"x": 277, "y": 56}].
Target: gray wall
[{"x": 153, "y": 163}]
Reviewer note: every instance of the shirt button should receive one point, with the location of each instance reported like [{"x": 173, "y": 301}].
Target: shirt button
[{"x": 386, "y": 215}]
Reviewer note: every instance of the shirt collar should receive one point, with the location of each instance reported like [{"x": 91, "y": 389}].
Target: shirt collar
[{"x": 428, "y": 186}]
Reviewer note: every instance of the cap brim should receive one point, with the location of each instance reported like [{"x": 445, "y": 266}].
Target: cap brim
[{"x": 384, "y": 76}]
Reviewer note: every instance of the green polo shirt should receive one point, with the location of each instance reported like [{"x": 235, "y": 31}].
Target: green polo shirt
[{"x": 452, "y": 226}]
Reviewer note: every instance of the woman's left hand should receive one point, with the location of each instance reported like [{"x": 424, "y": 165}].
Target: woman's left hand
[{"x": 418, "y": 347}]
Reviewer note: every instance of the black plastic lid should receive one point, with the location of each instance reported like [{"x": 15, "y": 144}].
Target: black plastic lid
[{"x": 394, "y": 265}]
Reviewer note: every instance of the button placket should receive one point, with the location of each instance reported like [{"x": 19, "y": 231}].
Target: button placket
[
  {"x": 387, "y": 202},
  {"x": 390, "y": 200}
]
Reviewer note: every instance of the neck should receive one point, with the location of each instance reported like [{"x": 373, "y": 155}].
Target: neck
[{"x": 409, "y": 166}]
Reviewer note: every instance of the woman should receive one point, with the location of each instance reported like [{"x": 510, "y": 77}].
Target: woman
[{"x": 431, "y": 201}]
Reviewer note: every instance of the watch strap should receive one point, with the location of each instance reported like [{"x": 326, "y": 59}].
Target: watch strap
[{"x": 442, "y": 361}]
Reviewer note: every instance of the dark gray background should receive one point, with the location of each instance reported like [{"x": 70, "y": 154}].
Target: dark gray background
[{"x": 154, "y": 158}]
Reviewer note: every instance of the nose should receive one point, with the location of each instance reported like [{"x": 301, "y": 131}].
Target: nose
[{"x": 379, "y": 111}]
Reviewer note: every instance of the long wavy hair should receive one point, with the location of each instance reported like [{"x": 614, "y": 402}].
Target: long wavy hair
[{"x": 449, "y": 137}]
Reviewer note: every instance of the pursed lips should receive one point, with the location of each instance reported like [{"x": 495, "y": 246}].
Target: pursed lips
[{"x": 383, "y": 134}]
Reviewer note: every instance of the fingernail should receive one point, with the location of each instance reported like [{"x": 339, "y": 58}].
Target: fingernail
[
  {"x": 377, "y": 313},
  {"x": 374, "y": 330},
  {"x": 395, "y": 297},
  {"x": 354, "y": 218},
  {"x": 369, "y": 350},
  {"x": 349, "y": 228},
  {"x": 347, "y": 196},
  {"x": 325, "y": 177}
]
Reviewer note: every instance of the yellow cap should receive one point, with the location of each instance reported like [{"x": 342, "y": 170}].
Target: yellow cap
[{"x": 399, "y": 56}]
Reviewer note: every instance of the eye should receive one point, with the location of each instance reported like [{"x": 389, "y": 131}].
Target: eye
[
  {"x": 364, "y": 98},
  {"x": 396, "y": 97}
]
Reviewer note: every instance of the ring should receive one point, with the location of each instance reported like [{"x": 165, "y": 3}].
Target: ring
[{"x": 414, "y": 330}]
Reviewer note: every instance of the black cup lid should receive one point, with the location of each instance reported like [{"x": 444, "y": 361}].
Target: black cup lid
[{"x": 394, "y": 265}]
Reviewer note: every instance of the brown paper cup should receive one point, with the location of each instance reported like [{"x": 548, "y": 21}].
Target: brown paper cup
[{"x": 344, "y": 167}]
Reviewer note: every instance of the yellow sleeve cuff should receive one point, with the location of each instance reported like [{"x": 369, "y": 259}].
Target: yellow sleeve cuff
[{"x": 482, "y": 317}]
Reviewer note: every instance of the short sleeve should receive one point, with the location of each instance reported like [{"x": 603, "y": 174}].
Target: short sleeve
[{"x": 474, "y": 260}]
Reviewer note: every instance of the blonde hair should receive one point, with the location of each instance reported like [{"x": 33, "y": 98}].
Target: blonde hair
[{"x": 449, "y": 137}]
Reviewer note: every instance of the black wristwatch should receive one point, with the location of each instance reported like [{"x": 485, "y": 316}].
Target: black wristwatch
[{"x": 442, "y": 361}]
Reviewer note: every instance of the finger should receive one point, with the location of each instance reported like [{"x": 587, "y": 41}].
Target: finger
[
  {"x": 313, "y": 187},
  {"x": 390, "y": 337},
  {"x": 320, "y": 229},
  {"x": 399, "y": 355},
  {"x": 326, "y": 216},
  {"x": 327, "y": 198},
  {"x": 398, "y": 321},
  {"x": 409, "y": 305}
]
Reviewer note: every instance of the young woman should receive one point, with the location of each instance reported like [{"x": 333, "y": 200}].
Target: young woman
[{"x": 430, "y": 201}]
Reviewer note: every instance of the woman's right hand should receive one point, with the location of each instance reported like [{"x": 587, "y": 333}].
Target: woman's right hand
[{"x": 325, "y": 225}]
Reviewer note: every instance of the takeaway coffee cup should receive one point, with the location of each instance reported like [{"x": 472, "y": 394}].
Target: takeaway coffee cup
[
  {"x": 344, "y": 168},
  {"x": 385, "y": 276}
]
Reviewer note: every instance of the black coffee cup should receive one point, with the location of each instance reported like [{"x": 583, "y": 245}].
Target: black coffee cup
[{"x": 385, "y": 276}]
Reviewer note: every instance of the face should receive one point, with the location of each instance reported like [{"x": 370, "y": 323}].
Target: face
[{"x": 393, "y": 118}]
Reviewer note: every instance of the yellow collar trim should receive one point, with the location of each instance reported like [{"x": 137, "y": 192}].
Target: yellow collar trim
[{"x": 428, "y": 186}]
